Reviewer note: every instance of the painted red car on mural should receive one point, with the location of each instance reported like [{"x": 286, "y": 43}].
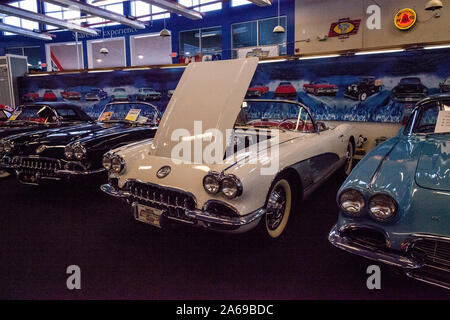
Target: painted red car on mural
[
  {"x": 257, "y": 90},
  {"x": 286, "y": 90},
  {"x": 320, "y": 87},
  {"x": 49, "y": 95},
  {"x": 70, "y": 94},
  {"x": 31, "y": 96}
]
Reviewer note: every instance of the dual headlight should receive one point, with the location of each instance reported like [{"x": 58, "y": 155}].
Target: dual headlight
[
  {"x": 381, "y": 207},
  {"x": 76, "y": 151},
  {"x": 113, "y": 163},
  {"x": 6, "y": 146},
  {"x": 228, "y": 184}
]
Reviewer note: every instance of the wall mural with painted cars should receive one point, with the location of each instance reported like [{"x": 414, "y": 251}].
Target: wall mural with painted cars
[{"x": 367, "y": 88}]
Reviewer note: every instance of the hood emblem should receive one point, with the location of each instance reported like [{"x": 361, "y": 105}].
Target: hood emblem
[
  {"x": 41, "y": 148},
  {"x": 163, "y": 172}
]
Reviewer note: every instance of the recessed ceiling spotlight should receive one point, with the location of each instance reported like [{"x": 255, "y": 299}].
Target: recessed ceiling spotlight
[
  {"x": 140, "y": 56},
  {"x": 99, "y": 60}
]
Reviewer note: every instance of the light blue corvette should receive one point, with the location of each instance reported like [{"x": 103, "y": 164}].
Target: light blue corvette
[{"x": 395, "y": 205}]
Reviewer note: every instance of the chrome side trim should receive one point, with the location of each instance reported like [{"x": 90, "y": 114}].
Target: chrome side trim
[{"x": 390, "y": 258}]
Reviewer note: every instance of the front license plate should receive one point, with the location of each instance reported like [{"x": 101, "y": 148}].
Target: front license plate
[
  {"x": 149, "y": 215},
  {"x": 409, "y": 99}
]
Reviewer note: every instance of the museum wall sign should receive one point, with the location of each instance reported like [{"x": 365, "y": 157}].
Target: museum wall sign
[{"x": 365, "y": 88}]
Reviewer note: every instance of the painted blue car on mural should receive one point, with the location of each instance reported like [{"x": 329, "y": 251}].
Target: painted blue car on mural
[{"x": 395, "y": 205}]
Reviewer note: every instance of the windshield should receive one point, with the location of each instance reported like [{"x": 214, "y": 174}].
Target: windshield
[
  {"x": 427, "y": 118},
  {"x": 410, "y": 81},
  {"x": 285, "y": 83},
  {"x": 130, "y": 112},
  {"x": 275, "y": 115},
  {"x": 119, "y": 90},
  {"x": 38, "y": 114}
]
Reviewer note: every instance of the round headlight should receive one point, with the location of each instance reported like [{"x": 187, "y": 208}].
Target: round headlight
[
  {"x": 231, "y": 187},
  {"x": 8, "y": 146},
  {"x": 68, "y": 152},
  {"x": 117, "y": 164},
  {"x": 382, "y": 207},
  {"x": 106, "y": 162},
  {"x": 351, "y": 201},
  {"x": 79, "y": 152},
  {"x": 211, "y": 183}
]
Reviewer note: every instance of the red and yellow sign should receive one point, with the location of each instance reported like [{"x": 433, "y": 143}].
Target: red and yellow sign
[
  {"x": 405, "y": 19},
  {"x": 344, "y": 28}
]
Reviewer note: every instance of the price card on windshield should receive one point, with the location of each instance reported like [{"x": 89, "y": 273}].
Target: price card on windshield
[
  {"x": 133, "y": 114},
  {"x": 15, "y": 115},
  {"x": 106, "y": 116},
  {"x": 442, "y": 122}
]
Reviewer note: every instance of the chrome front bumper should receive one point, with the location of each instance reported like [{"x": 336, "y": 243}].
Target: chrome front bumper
[
  {"x": 204, "y": 219},
  {"x": 411, "y": 267},
  {"x": 390, "y": 258}
]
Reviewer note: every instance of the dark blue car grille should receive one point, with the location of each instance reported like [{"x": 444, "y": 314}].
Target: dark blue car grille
[{"x": 31, "y": 166}]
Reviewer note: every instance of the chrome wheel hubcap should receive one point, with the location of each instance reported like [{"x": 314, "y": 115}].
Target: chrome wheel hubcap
[{"x": 276, "y": 206}]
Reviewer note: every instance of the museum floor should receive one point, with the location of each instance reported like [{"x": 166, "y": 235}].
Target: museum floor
[{"x": 43, "y": 230}]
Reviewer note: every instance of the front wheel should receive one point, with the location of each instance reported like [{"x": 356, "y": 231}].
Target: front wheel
[{"x": 279, "y": 206}]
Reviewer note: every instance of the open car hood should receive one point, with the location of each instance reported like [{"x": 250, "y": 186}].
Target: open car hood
[
  {"x": 433, "y": 167},
  {"x": 210, "y": 92}
]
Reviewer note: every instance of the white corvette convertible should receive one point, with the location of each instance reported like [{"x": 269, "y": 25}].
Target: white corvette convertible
[{"x": 225, "y": 164}]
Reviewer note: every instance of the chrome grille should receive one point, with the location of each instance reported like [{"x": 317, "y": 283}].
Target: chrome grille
[
  {"x": 434, "y": 253},
  {"x": 173, "y": 202},
  {"x": 44, "y": 166}
]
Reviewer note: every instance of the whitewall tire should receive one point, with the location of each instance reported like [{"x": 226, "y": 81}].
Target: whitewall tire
[{"x": 279, "y": 207}]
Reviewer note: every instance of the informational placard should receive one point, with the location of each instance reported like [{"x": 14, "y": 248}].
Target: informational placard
[
  {"x": 133, "y": 114},
  {"x": 443, "y": 122},
  {"x": 106, "y": 116},
  {"x": 15, "y": 115}
]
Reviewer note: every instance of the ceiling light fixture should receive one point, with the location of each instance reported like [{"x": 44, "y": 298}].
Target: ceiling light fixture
[
  {"x": 434, "y": 5},
  {"x": 279, "y": 28},
  {"x": 164, "y": 32}
]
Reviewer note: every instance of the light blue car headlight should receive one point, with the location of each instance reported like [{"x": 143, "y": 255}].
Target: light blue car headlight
[
  {"x": 352, "y": 202},
  {"x": 382, "y": 207}
]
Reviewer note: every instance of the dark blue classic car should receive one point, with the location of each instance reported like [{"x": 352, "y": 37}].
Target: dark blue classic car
[
  {"x": 395, "y": 205},
  {"x": 76, "y": 152}
]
